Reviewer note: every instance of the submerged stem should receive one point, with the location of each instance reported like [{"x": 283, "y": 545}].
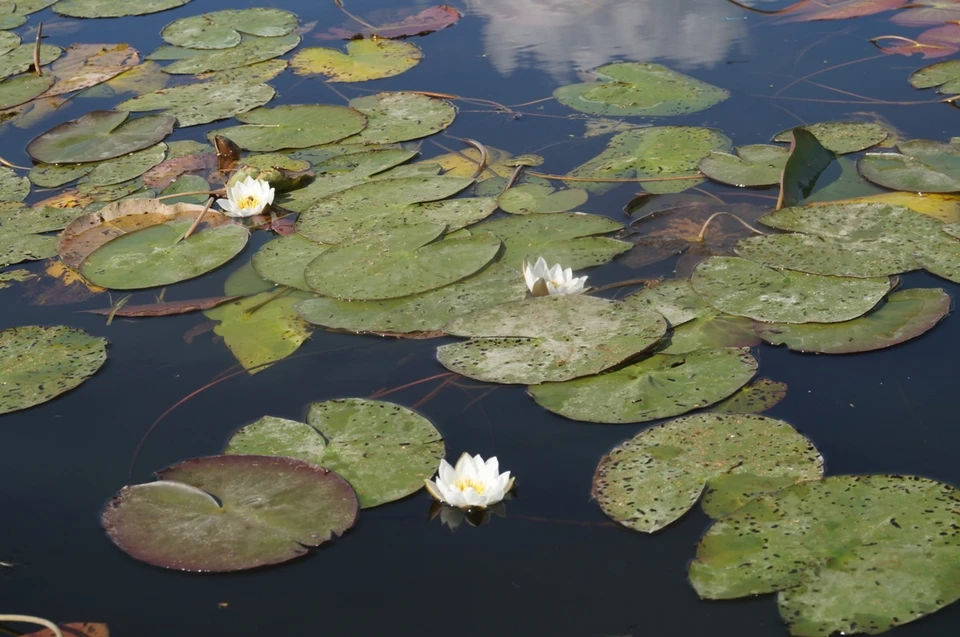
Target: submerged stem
[{"x": 706, "y": 224}]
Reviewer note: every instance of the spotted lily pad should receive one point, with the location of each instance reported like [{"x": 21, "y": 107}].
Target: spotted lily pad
[
  {"x": 569, "y": 238},
  {"x": 222, "y": 29},
  {"x": 744, "y": 288},
  {"x": 12, "y": 186},
  {"x": 398, "y": 117},
  {"x": 156, "y": 256},
  {"x": 419, "y": 314},
  {"x": 125, "y": 167},
  {"x": 548, "y": 339},
  {"x": 673, "y": 298},
  {"x": 658, "y": 152},
  {"x": 653, "y": 479},
  {"x": 944, "y": 75},
  {"x": 39, "y": 363},
  {"x": 294, "y": 126},
  {"x": 228, "y": 513},
  {"x": 252, "y": 50},
  {"x": 711, "y": 329},
  {"x": 843, "y": 137},
  {"x": 23, "y": 88},
  {"x": 20, "y": 59},
  {"x": 920, "y": 166},
  {"x": 284, "y": 259},
  {"x": 757, "y": 397},
  {"x": 398, "y": 261},
  {"x": 385, "y": 451},
  {"x": 823, "y": 550},
  {"x": 99, "y": 135},
  {"x": 658, "y": 386},
  {"x": 366, "y": 59},
  {"x": 806, "y": 170},
  {"x": 21, "y": 232},
  {"x": 904, "y": 315},
  {"x": 635, "y": 88},
  {"x": 113, "y": 9},
  {"x": 194, "y": 104},
  {"x": 533, "y": 198},
  {"x": 754, "y": 165}
]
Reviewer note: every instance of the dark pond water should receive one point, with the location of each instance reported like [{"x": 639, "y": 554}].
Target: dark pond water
[{"x": 555, "y": 565}]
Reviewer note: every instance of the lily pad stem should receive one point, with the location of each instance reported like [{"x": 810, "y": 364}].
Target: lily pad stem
[
  {"x": 11, "y": 165},
  {"x": 706, "y": 224},
  {"x": 513, "y": 177},
  {"x": 30, "y": 619},
  {"x": 273, "y": 297},
  {"x": 482, "y": 164},
  {"x": 355, "y": 18},
  {"x": 36, "y": 51},
  {"x": 622, "y": 284},
  {"x": 196, "y": 221}
]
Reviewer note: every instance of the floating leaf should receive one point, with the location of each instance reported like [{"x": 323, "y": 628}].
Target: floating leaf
[
  {"x": 8, "y": 40},
  {"x": 398, "y": 117},
  {"x": 841, "y": 9},
  {"x": 12, "y": 186},
  {"x": 635, "y": 88},
  {"x": 659, "y": 386},
  {"x": 166, "y": 172},
  {"x": 40, "y": 363},
  {"x": 368, "y": 59},
  {"x": 500, "y": 163},
  {"x": 427, "y": 21},
  {"x": 672, "y": 298},
  {"x": 99, "y": 135},
  {"x": 920, "y": 166},
  {"x": 194, "y": 104},
  {"x": 156, "y": 256},
  {"x": 385, "y": 451},
  {"x": 709, "y": 330},
  {"x": 87, "y": 65},
  {"x": 744, "y": 288},
  {"x": 125, "y": 167},
  {"x": 261, "y": 329},
  {"x": 20, "y": 60},
  {"x": 113, "y": 9},
  {"x": 424, "y": 313},
  {"x": 757, "y": 397},
  {"x": 548, "y": 339},
  {"x": 399, "y": 260},
  {"x": 569, "y": 238},
  {"x": 186, "y": 184},
  {"x": 26, "y": 247},
  {"x": 808, "y": 161},
  {"x": 653, "y": 479},
  {"x": 23, "y": 88},
  {"x": 284, "y": 260},
  {"x": 659, "y": 152},
  {"x": 228, "y": 513},
  {"x": 8, "y": 277},
  {"x": 251, "y": 50},
  {"x": 944, "y": 75},
  {"x": 222, "y": 29},
  {"x": 823, "y": 549},
  {"x": 533, "y": 198},
  {"x": 927, "y": 12},
  {"x": 842, "y": 137},
  {"x": 754, "y": 165},
  {"x": 294, "y": 126},
  {"x": 251, "y": 73},
  {"x": 905, "y": 315}
]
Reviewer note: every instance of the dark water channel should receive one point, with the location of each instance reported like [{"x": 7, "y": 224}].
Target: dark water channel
[{"x": 555, "y": 565}]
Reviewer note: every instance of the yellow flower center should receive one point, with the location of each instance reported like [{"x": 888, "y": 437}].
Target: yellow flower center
[
  {"x": 250, "y": 201},
  {"x": 467, "y": 483}
]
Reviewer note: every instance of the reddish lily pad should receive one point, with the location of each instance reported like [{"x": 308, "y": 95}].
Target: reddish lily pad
[{"x": 229, "y": 513}]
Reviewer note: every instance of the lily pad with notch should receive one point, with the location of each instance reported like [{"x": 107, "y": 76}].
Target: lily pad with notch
[
  {"x": 754, "y": 398},
  {"x": 537, "y": 199},
  {"x": 251, "y": 50},
  {"x": 401, "y": 116},
  {"x": 920, "y": 166},
  {"x": 99, "y": 135},
  {"x": 222, "y": 29},
  {"x": 294, "y": 126},
  {"x": 752, "y": 165},
  {"x": 366, "y": 59},
  {"x": 203, "y": 103},
  {"x": 842, "y": 137}
]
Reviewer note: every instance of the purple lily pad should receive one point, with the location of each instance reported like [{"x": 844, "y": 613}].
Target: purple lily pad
[{"x": 229, "y": 513}]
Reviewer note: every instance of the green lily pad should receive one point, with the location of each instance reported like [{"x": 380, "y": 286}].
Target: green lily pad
[
  {"x": 904, "y": 315},
  {"x": 940, "y": 256},
  {"x": 260, "y": 329},
  {"x": 99, "y": 135},
  {"x": 842, "y": 137},
  {"x": 113, "y": 9},
  {"x": 920, "y": 166},
  {"x": 568, "y": 238},
  {"x": 26, "y": 220},
  {"x": 398, "y": 117},
  {"x": 658, "y": 386},
  {"x": 194, "y": 104},
  {"x": 744, "y": 288},
  {"x": 39, "y": 363},
  {"x": 532, "y": 198},
  {"x": 251, "y": 74},
  {"x": 23, "y": 88},
  {"x": 186, "y": 183},
  {"x": 398, "y": 261},
  {"x": 294, "y": 126},
  {"x": 822, "y": 549},
  {"x": 753, "y": 165},
  {"x": 125, "y": 167},
  {"x": 673, "y": 298},
  {"x": 54, "y": 175},
  {"x": 228, "y": 513},
  {"x": 155, "y": 256},
  {"x": 421, "y": 313},
  {"x": 944, "y": 75},
  {"x": 711, "y": 329},
  {"x": 222, "y": 29},
  {"x": 385, "y": 451},
  {"x": 364, "y": 60},
  {"x": 13, "y": 187},
  {"x": 26, "y": 247},
  {"x": 653, "y": 479},
  {"x": 114, "y": 192},
  {"x": 368, "y": 205},
  {"x": 755, "y": 398},
  {"x": 20, "y": 59},
  {"x": 284, "y": 260},
  {"x": 635, "y": 88},
  {"x": 653, "y": 153},
  {"x": 252, "y": 50},
  {"x": 805, "y": 170},
  {"x": 9, "y": 277},
  {"x": 8, "y": 40},
  {"x": 548, "y": 339}
]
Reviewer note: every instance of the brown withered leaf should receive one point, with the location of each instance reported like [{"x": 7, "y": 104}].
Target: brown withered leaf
[
  {"x": 426, "y": 21},
  {"x": 167, "y": 171},
  {"x": 75, "y": 629},
  {"x": 86, "y": 65},
  {"x": 61, "y": 286},
  {"x": 164, "y": 309}
]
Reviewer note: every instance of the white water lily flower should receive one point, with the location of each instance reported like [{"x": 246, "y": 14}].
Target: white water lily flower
[
  {"x": 246, "y": 198},
  {"x": 543, "y": 280},
  {"x": 472, "y": 483}
]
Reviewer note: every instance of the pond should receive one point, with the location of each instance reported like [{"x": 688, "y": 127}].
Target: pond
[{"x": 638, "y": 105}]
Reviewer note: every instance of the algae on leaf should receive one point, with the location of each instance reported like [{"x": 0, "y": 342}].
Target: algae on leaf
[{"x": 366, "y": 59}]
